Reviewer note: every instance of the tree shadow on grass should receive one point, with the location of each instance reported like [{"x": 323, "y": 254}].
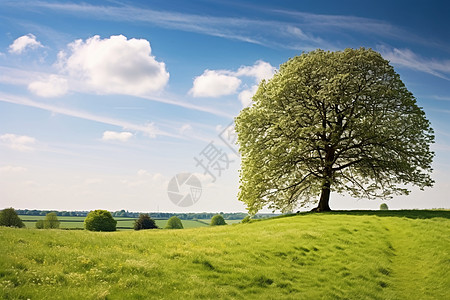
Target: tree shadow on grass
[{"x": 411, "y": 214}]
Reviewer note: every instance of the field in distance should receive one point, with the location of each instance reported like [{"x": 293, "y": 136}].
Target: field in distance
[
  {"x": 338, "y": 255},
  {"x": 122, "y": 223}
]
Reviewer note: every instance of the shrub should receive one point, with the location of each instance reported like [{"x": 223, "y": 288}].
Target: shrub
[
  {"x": 51, "y": 221},
  {"x": 384, "y": 206},
  {"x": 174, "y": 223},
  {"x": 144, "y": 222},
  {"x": 246, "y": 219},
  {"x": 217, "y": 220},
  {"x": 9, "y": 217},
  {"x": 39, "y": 224},
  {"x": 100, "y": 220}
]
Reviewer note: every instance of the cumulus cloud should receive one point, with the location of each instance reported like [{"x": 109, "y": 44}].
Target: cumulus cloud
[
  {"x": 260, "y": 70},
  {"x": 52, "y": 86},
  {"x": 23, "y": 43},
  {"x": 215, "y": 84},
  {"x": 116, "y": 136},
  {"x": 21, "y": 143},
  {"x": 114, "y": 65},
  {"x": 246, "y": 95}
]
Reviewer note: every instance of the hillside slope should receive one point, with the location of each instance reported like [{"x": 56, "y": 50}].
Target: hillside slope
[{"x": 312, "y": 256}]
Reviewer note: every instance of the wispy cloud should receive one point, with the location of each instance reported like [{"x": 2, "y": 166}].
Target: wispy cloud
[
  {"x": 443, "y": 98},
  {"x": 272, "y": 33},
  {"x": 20, "y": 143},
  {"x": 16, "y": 76},
  {"x": 12, "y": 169},
  {"x": 148, "y": 129},
  {"x": 408, "y": 59},
  {"x": 298, "y": 30}
]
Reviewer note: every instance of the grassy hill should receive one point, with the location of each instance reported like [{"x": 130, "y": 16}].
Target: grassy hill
[{"x": 342, "y": 255}]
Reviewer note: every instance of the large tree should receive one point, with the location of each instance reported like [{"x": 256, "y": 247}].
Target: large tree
[{"x": 332, "y": 121}]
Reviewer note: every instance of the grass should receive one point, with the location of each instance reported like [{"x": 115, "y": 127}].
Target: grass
[
  {"x": 340, "y": 255},
  {"x": 122, "y": 223}
]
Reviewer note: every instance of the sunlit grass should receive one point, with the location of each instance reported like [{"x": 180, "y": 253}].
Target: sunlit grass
[{"x": 312, "y": 256}]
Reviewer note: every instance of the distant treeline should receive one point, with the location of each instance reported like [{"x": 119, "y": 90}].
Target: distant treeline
[{"x": 154, "y": 215}]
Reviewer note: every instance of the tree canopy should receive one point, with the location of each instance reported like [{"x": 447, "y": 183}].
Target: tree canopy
[
  {"x": 9, "y": 217},
  {"x": 174, "y": 223},
  {"x": 218, "y": 220},
  {"x": 51, "y": 221},
  {"x": 100, "y": 220},
  {"x": 332, "y": 121},
  {"x": 144, "y": 222}
]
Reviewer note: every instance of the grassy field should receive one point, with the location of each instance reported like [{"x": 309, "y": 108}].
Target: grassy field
[
  {"x": 341, "y": 255},
  {"x": 122, "y": 223}
]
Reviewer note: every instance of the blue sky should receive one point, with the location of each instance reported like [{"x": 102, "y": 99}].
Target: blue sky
[{"x": 102, "y": 103}]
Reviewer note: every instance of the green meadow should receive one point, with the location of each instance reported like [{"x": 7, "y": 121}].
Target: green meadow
[
  {"x": 122, "y": 223},
  {"x": 337, "y": 255}
]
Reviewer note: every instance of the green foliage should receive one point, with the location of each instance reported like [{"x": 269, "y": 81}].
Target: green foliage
[
  {"x": 218, "y": 220},
  {"x": 384, "y": 206},
  {"x": 144, "y": 222},
  {"x": 384, "y": 255},
  {"x": 246, "y": 219},
  {"x": 9, "y": 218},
  {"x": 341, "y": 121},
  {"x": 100, "y": 220},
  {"x": 51, "y": 221},
  {"x": 174, "y": 223},
  {"x": 39, "y": 224}
]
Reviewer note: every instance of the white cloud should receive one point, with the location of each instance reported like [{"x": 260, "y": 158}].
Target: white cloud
[
  {"x": 116, "y": 136},
  {"x": 209, "y": 83},
  {"x": 148, "y": 129},
  {"x": 185, "y": 128},
  {"x": 144, "y": 178},
  {"x": 407, "y": 58},
  {"x": 12, "y": 169},
  {"x": 18, "y": 142},
  {"x": 271, "y": 33},
  {"x": 215, "y": 84},
  {"x": 143, "y": 172},
  {"x": 52, "y": 86},
  {"x": 260, "y": 70},
  {"x": 23, "y": 43},
  {"x": 114, "y": 65},
  {"x": 246, "y": 95}
]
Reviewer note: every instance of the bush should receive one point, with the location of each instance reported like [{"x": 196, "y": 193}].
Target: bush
[
  {"x": 9, "y": 217},
  {"x": 100, "y": 220},
  {"x": 174, "y": 223},
  {"x": 144, "y": 222},
  {"x": 39, "y": 224},
  {"x": 384, "y": 206},
  {"x": 51, "y": 221},
  {"x": 218, "y": 220}
]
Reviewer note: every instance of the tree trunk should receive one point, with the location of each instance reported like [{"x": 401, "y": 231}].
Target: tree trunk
[
  {"x": 326, "y": 186},
  {"x": 324, "y": 198}
]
